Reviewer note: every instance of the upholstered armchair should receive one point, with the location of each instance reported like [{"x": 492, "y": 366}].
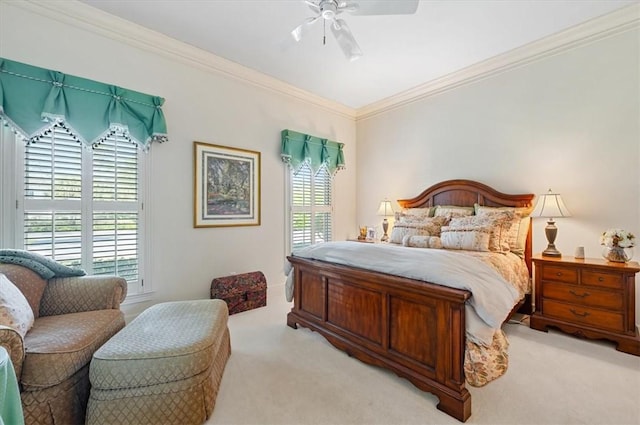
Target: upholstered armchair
[{"x": 74, "y": 316}]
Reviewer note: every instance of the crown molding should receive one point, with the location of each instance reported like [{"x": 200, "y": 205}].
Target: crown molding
[
  {"x": 83, "y": 16},
  {"x": 622, "y": 20}
]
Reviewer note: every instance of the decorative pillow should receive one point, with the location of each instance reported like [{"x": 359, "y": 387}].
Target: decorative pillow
[
  {"x": 425, "y": 227},
  {"x": 499, "y": 223},
  {"x": 15, "y": 311},
  {"x": 417, "y": 241},
  {"x": 474, "y": 238},
  {"x": 413, "y": 214},
  {"x": 519, "y": 229},
  {"x": 452, "y": 211},
  {"x": 28, "y": 282}
]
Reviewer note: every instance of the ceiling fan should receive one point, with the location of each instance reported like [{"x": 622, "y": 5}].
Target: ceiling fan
[{"x": 328, "y": 10}]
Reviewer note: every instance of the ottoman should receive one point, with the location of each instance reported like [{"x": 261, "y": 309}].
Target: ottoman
[{"x": 165, "y": 367}]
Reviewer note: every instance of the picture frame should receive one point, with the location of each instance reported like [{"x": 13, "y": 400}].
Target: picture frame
[
  {"x": 371, "y": 234},
  {"x": 226, "y": 186}
]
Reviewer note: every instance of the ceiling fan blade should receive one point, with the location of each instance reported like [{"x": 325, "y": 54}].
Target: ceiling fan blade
[
  {"x": 313, "y": 6},
  {"x": 303, "y": 28},
  {"x": 348, "y": 6},
  {"x": 345, "y": 39},
  {"x": 383, "y": 7}
]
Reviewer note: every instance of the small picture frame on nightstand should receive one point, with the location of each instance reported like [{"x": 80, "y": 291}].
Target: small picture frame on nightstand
[{"x": 371, "y": 234}]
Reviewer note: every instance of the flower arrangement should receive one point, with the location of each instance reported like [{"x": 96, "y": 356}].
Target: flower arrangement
[
  {"x": 618, "y": 244},
  {"x": 618, "y": 237}
]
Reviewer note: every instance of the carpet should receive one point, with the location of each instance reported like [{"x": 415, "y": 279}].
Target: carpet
[{"x": 278, "y": 375}]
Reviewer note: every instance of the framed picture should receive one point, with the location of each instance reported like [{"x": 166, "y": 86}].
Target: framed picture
[
  {"x": 371, "y": 234},
  {"x": 226, "y": 186}
]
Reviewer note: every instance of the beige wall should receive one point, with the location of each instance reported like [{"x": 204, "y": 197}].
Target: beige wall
[
  {"x": 570, "y": 122},
  {"x": 203, "y": 106}
]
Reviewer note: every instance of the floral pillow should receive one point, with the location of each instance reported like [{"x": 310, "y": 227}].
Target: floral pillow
[
  {"x": 414, "y": 214},
  {"x": 417, "y": 241},
  {"x": 517, "y": 233},
  {"x": 452, "y": 211},
  {"x": 471, "y": 238},
  {"x": 498, "y": 223},
  {"x": 426, "y": 227},
  {"x": 15, "y": 311}
]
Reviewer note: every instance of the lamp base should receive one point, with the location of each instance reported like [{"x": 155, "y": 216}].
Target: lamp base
[
  {"x": 551, "y": 251},
  {"x": 550, "y": 232},
  {"x": 385, "y": 228}
]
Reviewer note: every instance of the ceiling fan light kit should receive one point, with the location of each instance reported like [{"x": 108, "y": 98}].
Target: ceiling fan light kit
[{"x": 328, "y": 10}]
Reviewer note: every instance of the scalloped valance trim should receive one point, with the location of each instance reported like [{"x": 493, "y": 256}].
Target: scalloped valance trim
[
  {"x": 298, "y": 149},
  {"x": 35, "y": 100}
]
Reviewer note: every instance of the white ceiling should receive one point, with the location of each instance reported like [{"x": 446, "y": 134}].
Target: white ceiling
[{"x": 400, "y": 51}]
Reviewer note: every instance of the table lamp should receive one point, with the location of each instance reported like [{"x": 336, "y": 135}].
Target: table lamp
[
  {"x": 550, "y": 205},
  {"x": 385, "y": 210}
]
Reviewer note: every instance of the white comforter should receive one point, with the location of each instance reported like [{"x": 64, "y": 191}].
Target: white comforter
[{"x": 492, "y": 296}]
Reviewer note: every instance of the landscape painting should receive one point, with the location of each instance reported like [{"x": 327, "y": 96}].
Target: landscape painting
[{"x": 226, "y": 186}]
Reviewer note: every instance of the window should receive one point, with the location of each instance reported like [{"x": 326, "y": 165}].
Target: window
[
  {"x": 311, "y": 206},
  {"x": 81, "y": 207}
]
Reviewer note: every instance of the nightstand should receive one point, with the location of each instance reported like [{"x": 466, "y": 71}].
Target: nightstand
[{"x": 590, "y": 298}]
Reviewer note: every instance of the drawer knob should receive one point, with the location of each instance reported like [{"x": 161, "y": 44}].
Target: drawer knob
[
  {"x": 559, "y": 274},
  {"x": 584, "y": 314},
  {"x": 600, "y": 279},
  {"x": 586, "y": 294}
]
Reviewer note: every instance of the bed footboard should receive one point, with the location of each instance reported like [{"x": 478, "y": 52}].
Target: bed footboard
[{"x": 415, "y": 329}]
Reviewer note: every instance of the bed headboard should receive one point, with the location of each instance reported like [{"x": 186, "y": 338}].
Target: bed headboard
[{"x": 465, "y": 193}]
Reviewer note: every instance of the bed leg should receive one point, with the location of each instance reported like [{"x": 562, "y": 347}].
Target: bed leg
[
  {"x": 459, "y": 408},
  {"x": 291, "y": 322}
]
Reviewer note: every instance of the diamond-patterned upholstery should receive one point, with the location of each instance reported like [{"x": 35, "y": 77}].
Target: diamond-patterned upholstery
[
  {"x": 165, "y": 367},
  {"x": 59, "y": 346},
  {"x": 74, "y": 317},
  {"x": 28, "y": 282}
]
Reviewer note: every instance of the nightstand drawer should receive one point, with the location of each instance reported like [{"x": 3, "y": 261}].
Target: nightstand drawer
[
  {"x": 605, "y": 280},
  {"x": 573, "y": 313},
  {"x": 560, "y": 274},
  {"x": 581, "y": 295}
]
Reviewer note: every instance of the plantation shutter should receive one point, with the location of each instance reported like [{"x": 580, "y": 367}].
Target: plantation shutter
[
  {"x": 301, "y": 208},
  {"x": 311, "y": 211},
  {"x": 95, "y": 226},
  {"x": 322, "y": 206},
  {"x": 115, "y": 211},
  {"x": 52, "y": 192}
]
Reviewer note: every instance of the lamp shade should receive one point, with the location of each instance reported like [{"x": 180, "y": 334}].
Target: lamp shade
[
  {"x": 550, "y": 205},
  {"x": 385, "y": 209}
]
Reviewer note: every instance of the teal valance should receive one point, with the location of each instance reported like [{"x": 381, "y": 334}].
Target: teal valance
[
  {"x": 33, "y": 100},
  {"x": 298, "y": 148}
]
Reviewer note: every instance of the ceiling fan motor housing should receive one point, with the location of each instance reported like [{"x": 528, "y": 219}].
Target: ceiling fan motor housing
[{"x": 328, "y": 9}]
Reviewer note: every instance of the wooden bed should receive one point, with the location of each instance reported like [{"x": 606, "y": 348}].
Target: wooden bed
[{"x": 414, "y": 328}]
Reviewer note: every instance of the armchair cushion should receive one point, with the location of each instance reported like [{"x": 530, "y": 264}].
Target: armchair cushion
[
  {"x": 15, "y": 310},
  {"x": 28, "y": 282},
  {"x": 59, "y": 346}
]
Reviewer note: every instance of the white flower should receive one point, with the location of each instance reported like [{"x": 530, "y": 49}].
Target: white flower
[{"x": 617, "y": 237}]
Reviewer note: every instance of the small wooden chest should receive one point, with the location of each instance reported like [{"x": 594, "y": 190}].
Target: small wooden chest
[{"x": 241, "y": 292}]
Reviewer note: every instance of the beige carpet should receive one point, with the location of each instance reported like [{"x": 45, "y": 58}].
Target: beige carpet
[{"x": 278, "y": 375}]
